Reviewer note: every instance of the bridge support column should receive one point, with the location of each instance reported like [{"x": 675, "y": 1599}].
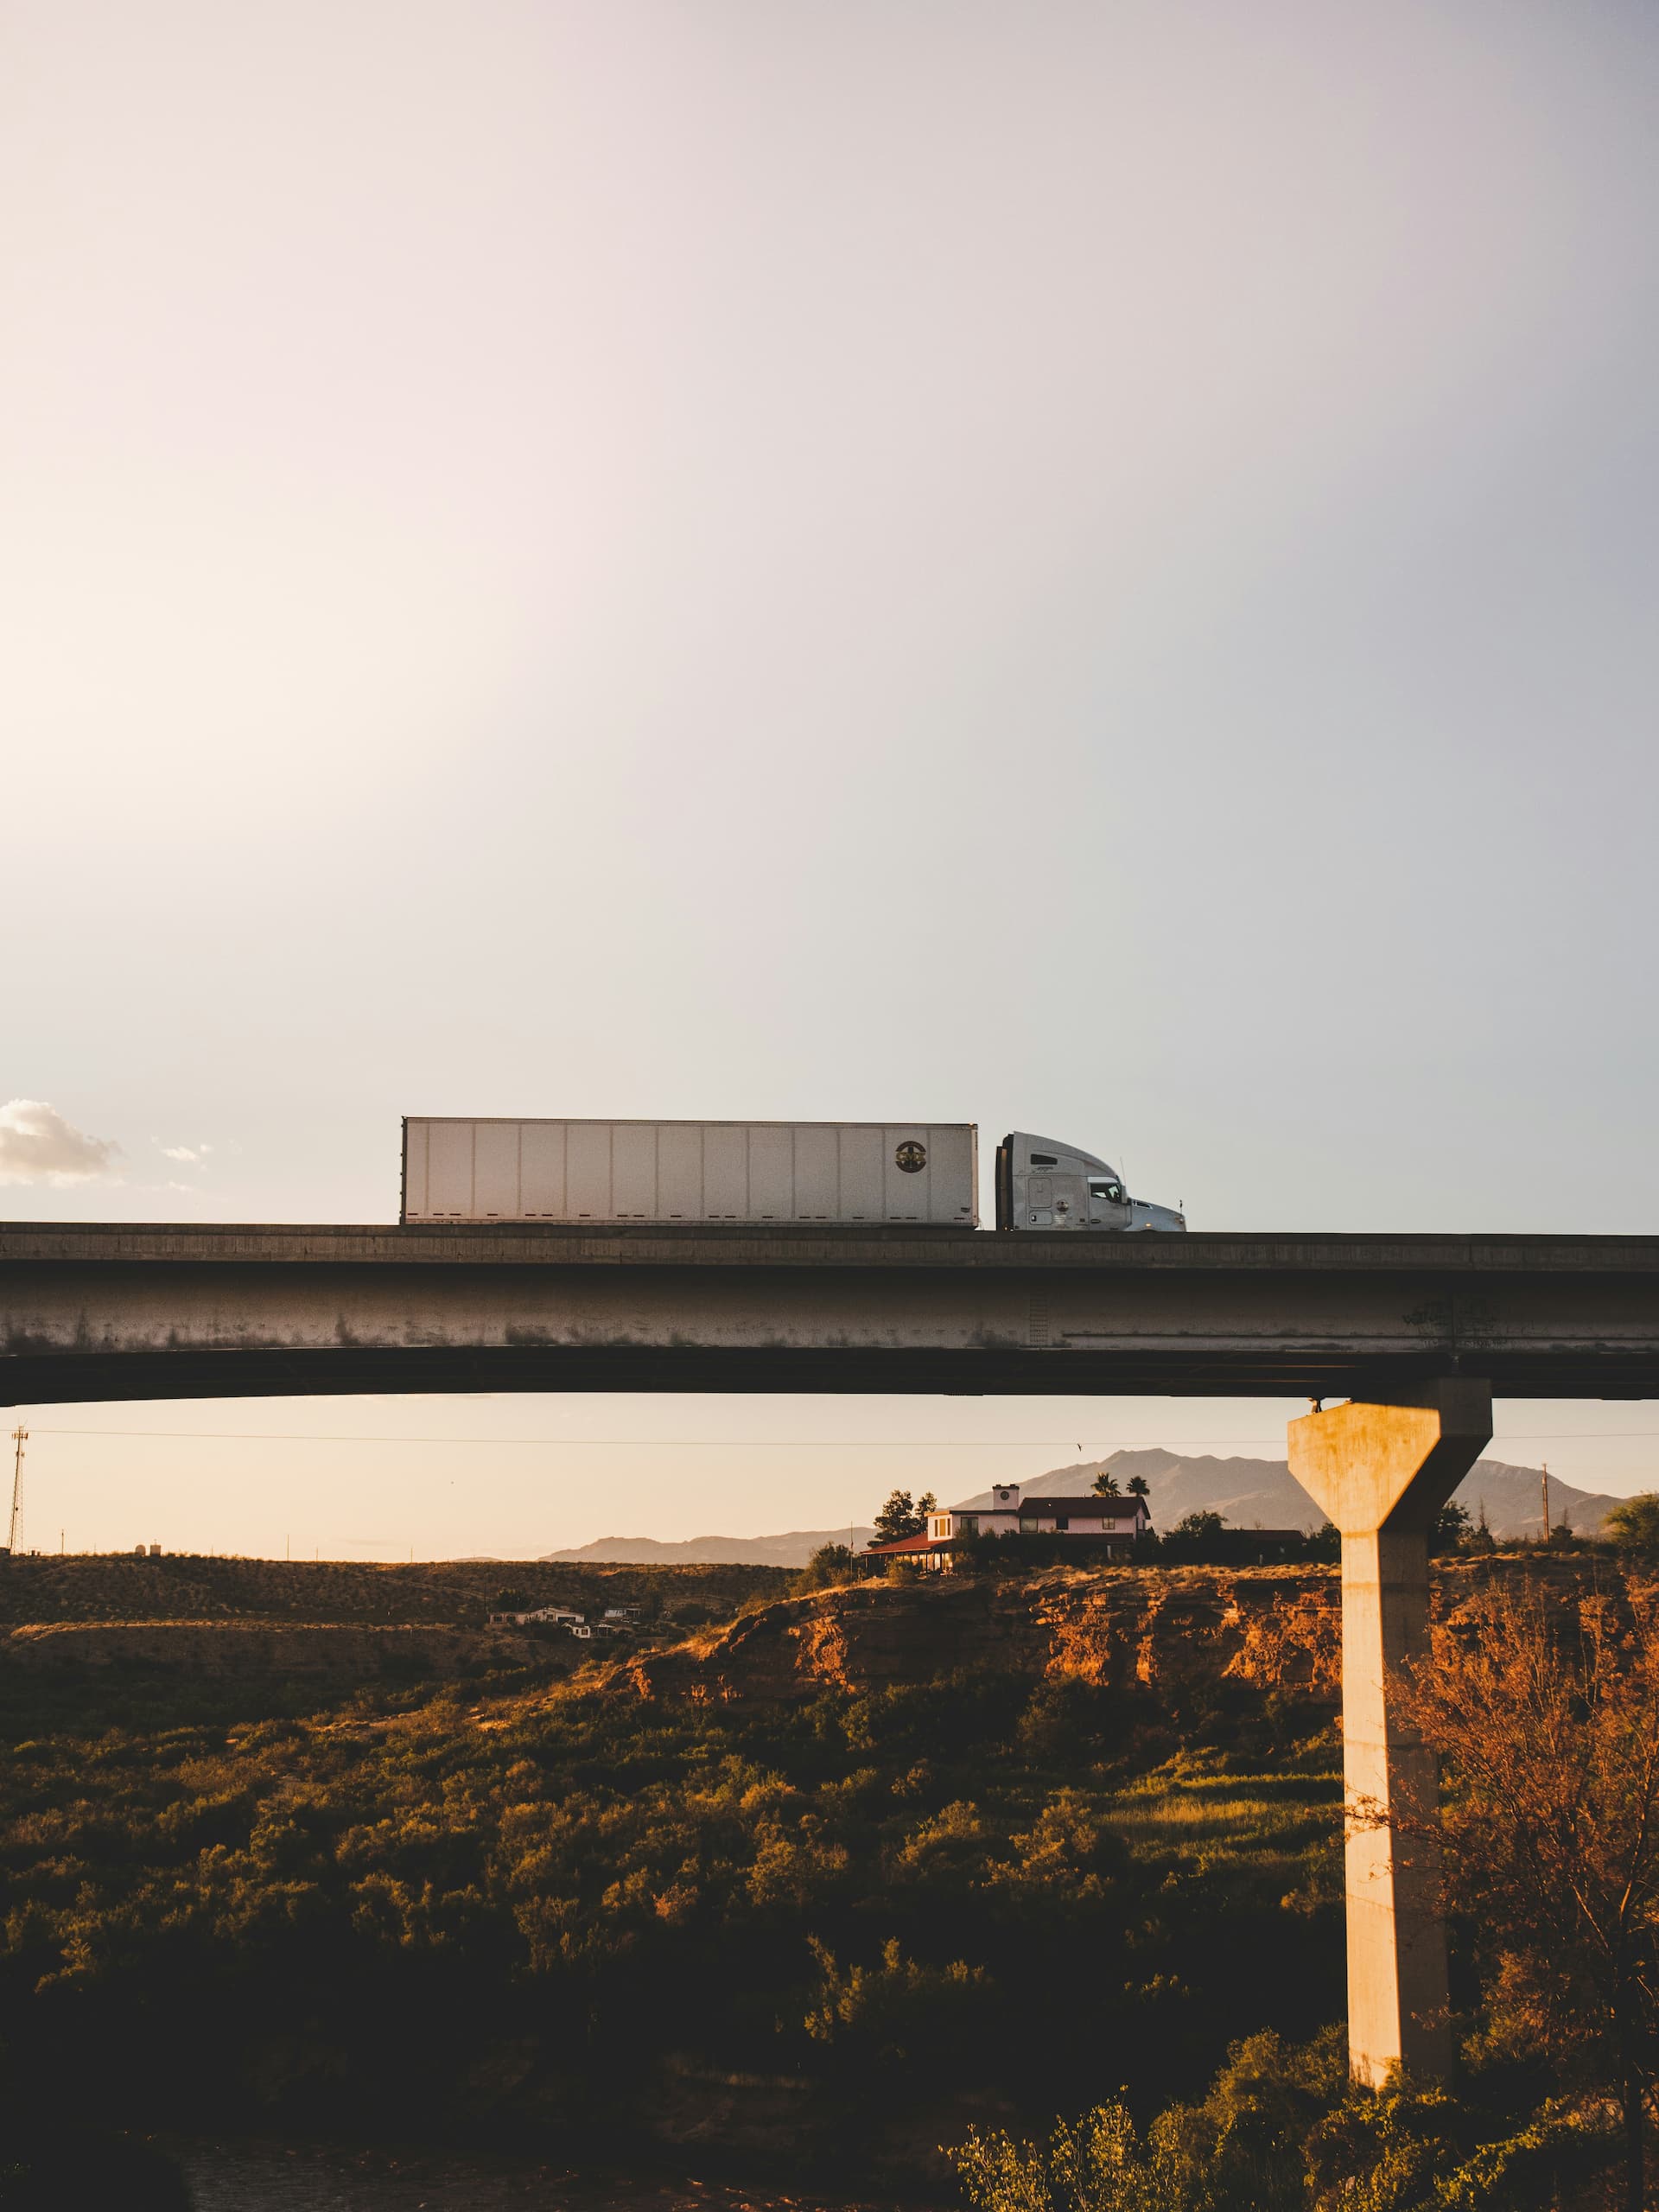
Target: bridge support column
[{"x": 1383, "y": 1472}]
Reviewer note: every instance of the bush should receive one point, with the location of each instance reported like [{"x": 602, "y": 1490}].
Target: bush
[
  {"x": 1633, "y": 1525},
  {"x": 830, "y": 1567},
  {"x": 1205, "y": 1540},
  {"x": 1281, "y": 2130},
  {"x": 900, "y": 2011}
]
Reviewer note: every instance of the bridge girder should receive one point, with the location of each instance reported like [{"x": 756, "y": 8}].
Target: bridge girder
[{"x": 117, "y": 1310}]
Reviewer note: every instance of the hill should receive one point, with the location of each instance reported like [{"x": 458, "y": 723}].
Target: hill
[
  {"x": 762, "y": 1907},
  {"x": 812, "y": 1893},
  {"x": 1248, "y": 1492},
  {"x": 1173, "y": 1633},
  {"x": 449, "y": 1593},
  {"x": 793, "y": 1548}
]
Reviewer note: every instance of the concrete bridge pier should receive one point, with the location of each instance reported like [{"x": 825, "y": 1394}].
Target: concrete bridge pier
[{"x": 1381, "y": 1471}]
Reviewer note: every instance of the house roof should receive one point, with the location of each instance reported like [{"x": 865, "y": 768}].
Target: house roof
[
  {"x": 905, "y": 1544},
  {"x": 1092, "y": 1504}
]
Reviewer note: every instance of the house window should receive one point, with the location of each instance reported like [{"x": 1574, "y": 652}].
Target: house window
[{"x": 1061, "y": 1522}]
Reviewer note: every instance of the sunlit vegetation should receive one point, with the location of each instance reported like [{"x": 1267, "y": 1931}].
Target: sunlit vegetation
[
  {"x": 455, "y": 1593},
  {"x": 1546, "y": 1717},
  {"x": 505, "y": 1905},
  {"x": 833, "y": 1935}
]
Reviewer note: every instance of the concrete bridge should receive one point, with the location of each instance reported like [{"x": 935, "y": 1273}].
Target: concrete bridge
[
  {"x": 1417, "y": 1333},
  {"x": 110, "y": 1311}
]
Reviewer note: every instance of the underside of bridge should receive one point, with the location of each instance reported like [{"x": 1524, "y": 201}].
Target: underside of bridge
[{"x": 90, "y": 1311}]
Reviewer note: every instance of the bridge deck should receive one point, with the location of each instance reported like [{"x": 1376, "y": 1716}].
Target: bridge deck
[{"x": 118, "y": 1310}]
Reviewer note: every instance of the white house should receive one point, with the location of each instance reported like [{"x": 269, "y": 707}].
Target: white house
[
  {"x": 1113, "y": 1523},
  {"x": 1000, "y": 1518}
]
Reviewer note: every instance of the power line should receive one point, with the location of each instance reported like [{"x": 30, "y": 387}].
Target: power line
[
  {"x": 777, "y": 1443},
  {"x": 633, "y": 1443}
]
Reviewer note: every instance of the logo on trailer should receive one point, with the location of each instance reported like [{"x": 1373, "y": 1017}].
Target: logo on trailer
[{"x": 910, "y": 1158}]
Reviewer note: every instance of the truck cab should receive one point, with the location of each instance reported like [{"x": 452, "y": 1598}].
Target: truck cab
[{"x": 1043, "y": 1184}]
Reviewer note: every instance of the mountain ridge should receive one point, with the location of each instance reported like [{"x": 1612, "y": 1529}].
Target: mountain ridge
[
  {"x": 1248, "y": 1493},
  {"x": 1264, "y": 1493},
  {"x": 791, "y": 1548}
]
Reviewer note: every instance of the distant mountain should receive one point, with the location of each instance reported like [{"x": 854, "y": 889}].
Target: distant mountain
[
  {"x": 1249, "y": 1493},
  {"x": 794, "y": 1548},
  {"x": 1252, "y": 1492},
  {"x": 1514, "y": 1501}
]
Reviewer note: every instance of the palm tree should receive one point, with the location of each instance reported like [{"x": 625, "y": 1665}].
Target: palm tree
[
  {"x": 1137, "y": 1486},
  {"x": 1106, "y": 1485}
]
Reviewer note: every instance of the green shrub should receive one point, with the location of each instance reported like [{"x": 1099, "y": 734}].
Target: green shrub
[{"x": 1633, "y": 1524}]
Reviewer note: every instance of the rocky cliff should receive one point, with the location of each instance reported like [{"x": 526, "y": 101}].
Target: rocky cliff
[
  {"x": 1156, "y": 1629},
  {"x": 1116, "y": 1629}
]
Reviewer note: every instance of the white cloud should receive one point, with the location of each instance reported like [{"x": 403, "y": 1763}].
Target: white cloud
[
  {"x": 38, "y": 1145},
  {"x": 191, "y": 1155}
]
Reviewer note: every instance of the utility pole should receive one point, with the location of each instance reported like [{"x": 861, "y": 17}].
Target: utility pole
[
  {"x": 19, "y": 1437},
  {"x": 1544, "y": 1470}
]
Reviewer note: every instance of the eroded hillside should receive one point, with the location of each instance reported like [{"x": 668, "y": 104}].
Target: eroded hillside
[{"x": 1162, "y": 1629}]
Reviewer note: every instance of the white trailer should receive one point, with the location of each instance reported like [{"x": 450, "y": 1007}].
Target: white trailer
[{"x": 472, "y": 1170}]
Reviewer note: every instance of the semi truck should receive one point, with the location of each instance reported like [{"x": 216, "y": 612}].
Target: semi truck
[{"x": 804, "y": 1174}]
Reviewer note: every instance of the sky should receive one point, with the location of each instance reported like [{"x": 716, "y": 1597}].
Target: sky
[{"x": 1085, "y": 567}]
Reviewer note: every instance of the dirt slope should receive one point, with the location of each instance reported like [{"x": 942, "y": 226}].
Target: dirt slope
[{"x": 1274, "y": 1627}]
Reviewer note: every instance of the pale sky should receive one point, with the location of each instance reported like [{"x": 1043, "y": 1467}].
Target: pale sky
[{"x": 1087, "y": 568}]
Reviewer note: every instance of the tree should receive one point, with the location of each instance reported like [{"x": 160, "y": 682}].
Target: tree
[
  {"x": 1634, "y": 1525},
  {"x": 1551, "y": 1745},
  {"x": 1479, "y": 1538},
  {"x": 900, "y": 1517},
  {"x": 1200, "y": 1526},
  {"x": 830, "y": 1565},
  {"x": 1106, "y": 1485},
  {"x": 1137, "y": 1486},
  {"x": 1451, "y": 1526}
]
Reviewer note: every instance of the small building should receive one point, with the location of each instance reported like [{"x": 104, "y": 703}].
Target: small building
[
  {"x": 917, "y": 1547},
  {"x": 554, "y": 1616},
  {"x": 1108, "y": 1523}
]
